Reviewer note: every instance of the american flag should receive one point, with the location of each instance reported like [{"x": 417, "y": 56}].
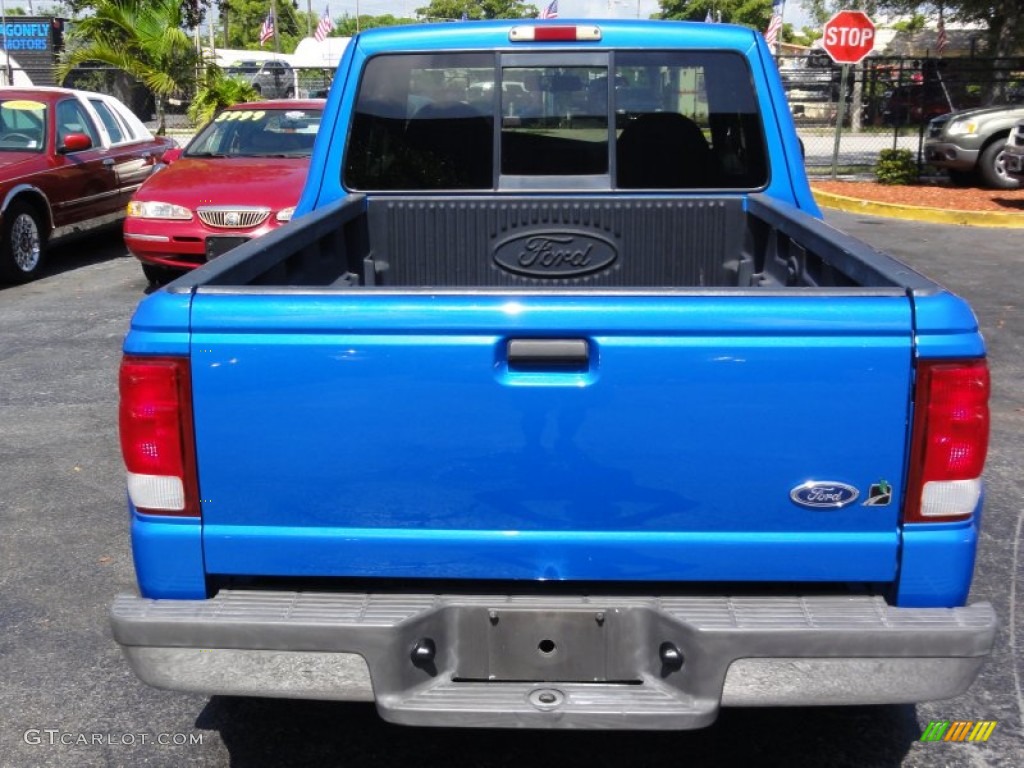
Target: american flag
[
  {"x": 267, "y": 30},
  {"x": 551, "y": 12},
  {"x": 771, "y": 35},
  {"x": 941, "y": 41},
  {"x": 324, "y": 26}
]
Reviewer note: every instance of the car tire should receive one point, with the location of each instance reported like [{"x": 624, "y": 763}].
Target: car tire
[
  {"x": 962, "y": 178},
  {"x": 157, "y": 275},
  {"x": 22, "y": 243},
  {"x": 990, "y": 167}
]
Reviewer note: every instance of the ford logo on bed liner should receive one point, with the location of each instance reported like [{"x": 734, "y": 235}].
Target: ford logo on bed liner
[
  {"x": 824, "y": 495},
  {"x": 555, "y": 254}
]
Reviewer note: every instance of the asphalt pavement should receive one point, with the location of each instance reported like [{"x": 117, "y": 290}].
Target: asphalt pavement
[{"x": 69, "y": 699}]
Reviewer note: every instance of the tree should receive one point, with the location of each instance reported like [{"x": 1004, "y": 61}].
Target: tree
[
  {"x": 915, "y": 23},
  {"x": 192, "y": 11},
  {"x": 752, "y": 13},
  {"x": 143, "y": 38},
  {"x": 347, "y": 26},
  {"x": 823, "y": 10},
  {"x": 804, "y": 37},
  {"x": 1001, "y": 18},
  {"x": 241, "y": 21},
  {"x": 453, "y": 10}
]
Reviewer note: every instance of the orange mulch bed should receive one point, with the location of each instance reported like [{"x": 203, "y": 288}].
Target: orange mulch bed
[{"x": 938, "y": 195}]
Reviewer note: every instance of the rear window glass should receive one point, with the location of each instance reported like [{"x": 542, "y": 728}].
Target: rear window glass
[
  {"x": 424, "y": 122},
  {"x": 687, "y": 119},
  {"x": 643, "y": 120}
]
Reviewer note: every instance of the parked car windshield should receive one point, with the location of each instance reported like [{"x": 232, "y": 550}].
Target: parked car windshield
[
  {"x": 258, "y": 133},
  {"x": 22, "y": 125}
]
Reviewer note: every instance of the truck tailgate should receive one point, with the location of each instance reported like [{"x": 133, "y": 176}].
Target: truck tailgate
[{"x": 560, "y": 437}]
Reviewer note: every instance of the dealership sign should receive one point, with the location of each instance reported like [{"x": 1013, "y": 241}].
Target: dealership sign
[{"x": 33, "y": 43}]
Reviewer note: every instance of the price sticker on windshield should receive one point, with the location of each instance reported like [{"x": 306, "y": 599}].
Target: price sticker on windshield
[{"x": 24, "y": 104}]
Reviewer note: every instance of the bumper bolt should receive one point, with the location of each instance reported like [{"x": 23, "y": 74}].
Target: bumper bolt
[
  {"x": 423, "y": 652},
  {"x": 671, "y": 656}
]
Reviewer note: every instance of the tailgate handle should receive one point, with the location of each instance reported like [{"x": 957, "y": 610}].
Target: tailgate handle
[{"x": 548, "y": 353}]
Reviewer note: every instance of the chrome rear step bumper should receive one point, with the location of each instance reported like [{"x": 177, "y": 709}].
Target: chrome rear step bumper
[{"x": 558, "y": 662}]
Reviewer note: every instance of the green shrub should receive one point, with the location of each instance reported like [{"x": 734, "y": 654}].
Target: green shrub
[
  {"x": 216, "y": 91},
  {"x": 896, "y": 166}
]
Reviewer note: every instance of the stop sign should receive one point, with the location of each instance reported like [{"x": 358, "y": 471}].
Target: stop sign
[{"x": 849, "y": 37}]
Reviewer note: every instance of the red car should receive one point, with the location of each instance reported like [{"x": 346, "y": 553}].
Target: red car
[
  {"x": 239, "y": 178},
  {"x": 69, "y": 162}
]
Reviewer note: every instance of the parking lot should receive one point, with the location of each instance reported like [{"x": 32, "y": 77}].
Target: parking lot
[{"x": 69, "y": 699}]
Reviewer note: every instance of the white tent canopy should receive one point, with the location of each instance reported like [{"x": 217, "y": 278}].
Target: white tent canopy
[
  {"x": 316, "y": 53},
  {"x": 309, "y": 53}
]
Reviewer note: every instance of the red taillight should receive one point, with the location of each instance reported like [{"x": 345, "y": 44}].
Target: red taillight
[
  {"x": 156, "y": 435},
  {"x": 949, "y": 440}
]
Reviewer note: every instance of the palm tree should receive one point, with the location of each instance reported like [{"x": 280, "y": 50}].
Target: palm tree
[{"x": 144, "y": 38}]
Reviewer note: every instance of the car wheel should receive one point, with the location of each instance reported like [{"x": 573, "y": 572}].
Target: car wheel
[
  {"x": 157, "y": 275},
  {"x": 22, "y": 243},
  {"x": 992, "y": 170},
  {"x": 962, "y": 178}
]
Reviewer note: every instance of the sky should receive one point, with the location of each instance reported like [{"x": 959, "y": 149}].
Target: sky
[{"x": 793, "y": 13}]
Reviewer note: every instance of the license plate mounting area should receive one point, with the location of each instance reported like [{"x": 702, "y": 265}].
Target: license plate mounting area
[
  {"x": 541, "y": 646},
  {"x": 215, "y": 246}
]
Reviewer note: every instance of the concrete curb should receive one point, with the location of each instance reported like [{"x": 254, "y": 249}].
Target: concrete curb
[{"x": 919, "y": 213}]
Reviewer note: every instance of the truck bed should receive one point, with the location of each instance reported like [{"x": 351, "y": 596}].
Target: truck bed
[
  {"x": 541, "y": 242},
  {"x": 625, "y": 418}
]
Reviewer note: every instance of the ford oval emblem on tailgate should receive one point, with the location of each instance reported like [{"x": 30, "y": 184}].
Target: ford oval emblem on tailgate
[
  {"x": 824, "y": 495},
  {"x": 555, "y": 254}
]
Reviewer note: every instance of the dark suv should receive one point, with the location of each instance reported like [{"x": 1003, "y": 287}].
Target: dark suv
[{"x": 272, "y": 79}]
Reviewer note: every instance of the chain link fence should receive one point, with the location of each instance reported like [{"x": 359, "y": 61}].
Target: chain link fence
[{"x": 886, "y": 103}]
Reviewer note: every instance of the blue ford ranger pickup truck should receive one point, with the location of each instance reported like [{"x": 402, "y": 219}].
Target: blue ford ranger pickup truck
[{"x": 557, "y": 406}]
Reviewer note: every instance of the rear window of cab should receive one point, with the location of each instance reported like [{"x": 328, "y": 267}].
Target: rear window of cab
[{"x": 628, "y": 120}]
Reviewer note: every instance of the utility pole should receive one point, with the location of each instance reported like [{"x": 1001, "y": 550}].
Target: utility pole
[
  {"x": 7, "y": 53},
  {"x": 277, "y": 27}
]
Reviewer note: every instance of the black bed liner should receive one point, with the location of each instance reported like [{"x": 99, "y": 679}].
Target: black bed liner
[{"x": 559, "y": 242}]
